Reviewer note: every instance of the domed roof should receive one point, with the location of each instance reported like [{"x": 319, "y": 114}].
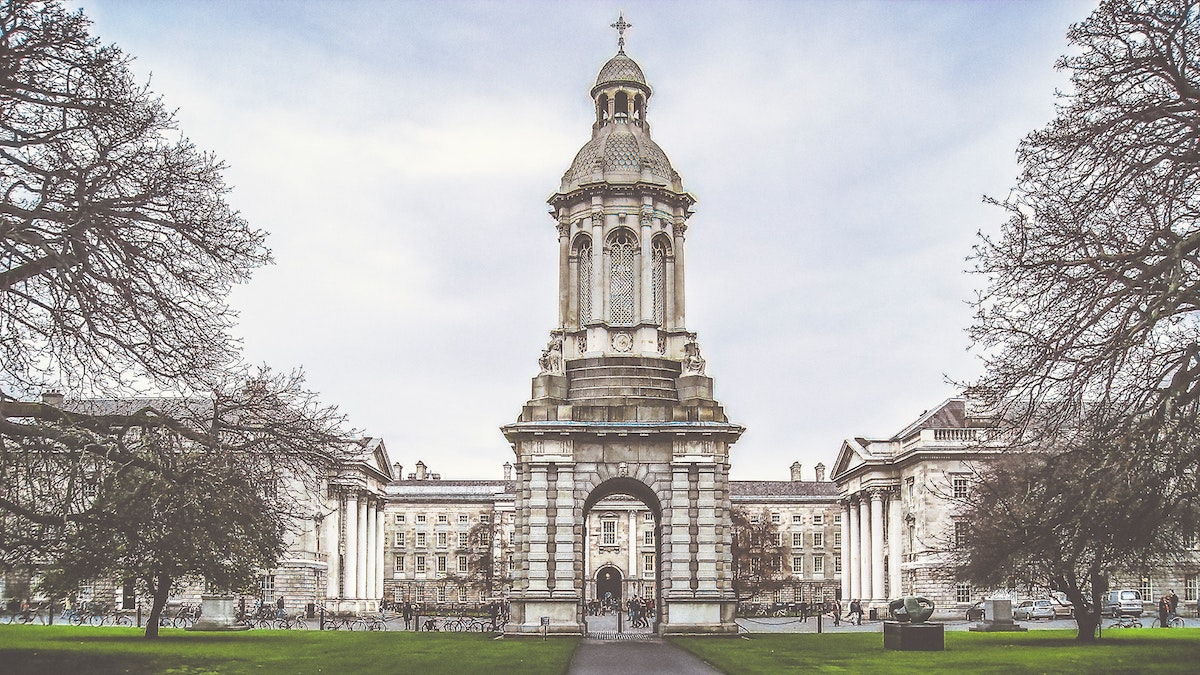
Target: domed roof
[
  {"x": 621, "y": 68},
  {"x": 621, "y": 153}
]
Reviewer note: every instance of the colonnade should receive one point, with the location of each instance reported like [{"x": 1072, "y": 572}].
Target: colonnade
[
  {"x": 355, "y": 541},
  {"x": 870, "y": 557}
]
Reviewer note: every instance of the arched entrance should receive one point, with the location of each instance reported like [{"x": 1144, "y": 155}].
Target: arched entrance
[{"x": 608, "y": 584}]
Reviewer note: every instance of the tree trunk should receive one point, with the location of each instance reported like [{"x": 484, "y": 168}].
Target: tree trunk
[
  {"x": 160, "y": 589},
  {"x": 1087, "y": 623}
]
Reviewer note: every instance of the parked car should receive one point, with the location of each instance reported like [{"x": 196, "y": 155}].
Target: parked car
[
  {"x": 1125, "y": 602},
  {"x": 975, "y": 612},
  {"x": 1028, "y": 610},
  {"x": 1063, "y": 608}
]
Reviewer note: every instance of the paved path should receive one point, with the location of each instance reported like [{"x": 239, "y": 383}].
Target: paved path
[{"x": 594, "y": 657}]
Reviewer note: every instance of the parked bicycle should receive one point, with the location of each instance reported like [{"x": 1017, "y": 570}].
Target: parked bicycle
[
  {"x": 1173, "y": 621},
  {"x": 1125, "y": 622}
]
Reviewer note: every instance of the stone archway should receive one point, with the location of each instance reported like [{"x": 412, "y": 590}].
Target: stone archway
[{"x": 608, "y": 583}]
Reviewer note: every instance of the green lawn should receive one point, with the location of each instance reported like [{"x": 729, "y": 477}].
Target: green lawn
[
  {"x": 70, "y": 650},
  {"x": 1042, "y": 651}
]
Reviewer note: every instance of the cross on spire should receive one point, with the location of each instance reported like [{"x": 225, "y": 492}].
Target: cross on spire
[{"x": 621, "y": 25}]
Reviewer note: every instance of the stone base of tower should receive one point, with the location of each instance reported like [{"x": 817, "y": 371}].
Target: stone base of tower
[
  {"x": 692, "y": 617},
  {"x": 553, "y": 617}
]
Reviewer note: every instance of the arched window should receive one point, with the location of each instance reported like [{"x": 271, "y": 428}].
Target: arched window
[
  {"x": 622, "y": 271},
  {"x": 638, "y": 102},
  {"x": 622, "y": 104},
  {"x": 583, "y": 251},
  {"x": 658, "y": 279},
  {"x": 602, "y": 108}
]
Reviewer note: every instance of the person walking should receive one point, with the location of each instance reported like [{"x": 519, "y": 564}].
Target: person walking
[
  {"x": 1163, "y": 604},
  {"x": 407, "y": 613},
  {"x": 837, "y": 612}
]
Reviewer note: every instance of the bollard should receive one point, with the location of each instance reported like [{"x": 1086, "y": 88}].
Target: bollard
[
  {"x": 820, "y": 614},
  {"x": 139, "y": 615}
]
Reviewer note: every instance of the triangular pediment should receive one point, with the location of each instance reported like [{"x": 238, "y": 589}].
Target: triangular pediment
[{"x": 850, "y": 455}]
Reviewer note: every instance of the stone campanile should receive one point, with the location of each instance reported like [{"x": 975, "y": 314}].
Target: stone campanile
[{"x": 623, "y": 404}]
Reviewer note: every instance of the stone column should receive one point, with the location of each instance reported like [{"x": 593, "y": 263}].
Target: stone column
[
  {"x": 350, "y": 566},
  {"x": 877, "y": 588},
  {"x": 895, "y": 550},
  {"x": 369, "y": 551},
  {"x": 599, "y": 302},
  {"x": 538, "y": 559},
  {"x": 380, "y": 520},
  {"x": 633, "y": 542},
  {"x": 679, "y": 229},
  {"x": 706, "y": 526},
  {"x": 681, "y": 539},
  {"x": 331, "y": 526},
  {"x": 853, "y": 570},
  {"x": 845, "y": 553},
  {"x": 646, "y": 307},
  {"x": 360, "y": 585},
  {"x": 864, "y": 542},
  {"x": 564, "y": 534},
  {"x": 564, "y": 271}
]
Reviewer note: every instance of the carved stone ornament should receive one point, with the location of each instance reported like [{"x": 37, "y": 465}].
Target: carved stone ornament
[
  {"x": 622, "y": 342},
  {"x": 693, "y": 363},
  {"x": 597, "y": 218},
  {"x": 564, "y": 228},
  {"x": 647, "y": 215},
  {"x": 551, "y": 360},
  {"x": 679, "y": 227}
]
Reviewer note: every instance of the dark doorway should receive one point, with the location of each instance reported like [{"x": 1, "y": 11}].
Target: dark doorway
[{"x": 608, "y": 584}]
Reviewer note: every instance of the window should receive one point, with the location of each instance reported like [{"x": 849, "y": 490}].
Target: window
[
  {"x": 399, "y": 540},
  {"x": 648, "y": 537},
  {"x": 443, "y": 539},
  {"x": 1191, "y": 587},
  {"x": 658, "y": 279},
  {"x": 266, "y": 586},
  {"x": 837, "y": 519},
  {"x": 818, "y": 540},
  {"x": 819, "y": 519},
  {"x": 443, "y": 518},
  {"x": 908, "y": 486},
  {"x": 961, "y": 533},
  {"x": 420, "y": 540},
  {"x": 462, "y": 539},
  {"x": 960, "y": 487},
  {"x": 1147, "y": 588},
  {"x": 485, "y": 518},
  {"x": 464, "y": 518},
  {"x": 400, "y": 518},
  {"x": 779, "y": 539},
  {"x": 797, "y": 520},
  {"x": 420, "y": 594},
  {"x": 622, "y": 276},
  {"x": 462, "y": 564},
  {"x": 647, "y": 517},
  {"x": 798, "y": 565},
  {"x": 608, "y": 532},
  {"x": 420, "y": 564},
  {"x": 837, "y": 564},
  {"x": 420, "y": 517},
  {"x": 398, "y": 567},
  {"x": 837, "y": 537},
  {"x": 797, "y": 540},
  {"x": 441, "y": 565},
  {"x": 775, "y": 518},
  {"x": 647, "y": 564},
  {"x": 754, "y": 518},
  {"x": 584, "y": 253},
  {"x": 441, "y": 594},
  {"x": 818, "y": 566},
  {"x": 962, "y": 592}
]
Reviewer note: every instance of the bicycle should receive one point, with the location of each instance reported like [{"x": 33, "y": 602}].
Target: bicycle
[
  {"x": 1125, "y": 622},
  {"x": 1174, "y": 621}
]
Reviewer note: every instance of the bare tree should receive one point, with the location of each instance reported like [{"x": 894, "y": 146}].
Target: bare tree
[{"x": 758, "y": 564}]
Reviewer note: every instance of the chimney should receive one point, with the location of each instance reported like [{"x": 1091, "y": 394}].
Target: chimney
[
  {"x": 796, "y": 472},
  {"x": 52, "y": 397},
  {"x": 420, "y": 470},
  {"x": 398, "y": 470},
  {"x": 508, "y": 471},
  {"x": 820, "y": 469}
]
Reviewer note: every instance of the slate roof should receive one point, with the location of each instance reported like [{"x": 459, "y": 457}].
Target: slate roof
[{"x": 782, "y": 488}]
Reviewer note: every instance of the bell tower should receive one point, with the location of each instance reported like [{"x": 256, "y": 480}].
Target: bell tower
[{"x": 622, "y": 404}]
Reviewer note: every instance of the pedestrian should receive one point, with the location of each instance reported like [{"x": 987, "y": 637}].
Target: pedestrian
[
  {"x": 1163, "y": 604},
  {"x": 804, "y": 612},
  {"x": 1173, "y": 603},
  {"x": 279, "y": 608},
  {"x": 407, "y": 613},
  {"x": 837, "y": 612}
]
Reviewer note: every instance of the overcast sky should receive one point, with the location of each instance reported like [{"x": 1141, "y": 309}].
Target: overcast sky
[{"x": 401, "y": 153}]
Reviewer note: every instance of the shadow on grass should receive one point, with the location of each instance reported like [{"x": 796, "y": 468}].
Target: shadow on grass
[{"x": 34, "y": 662}]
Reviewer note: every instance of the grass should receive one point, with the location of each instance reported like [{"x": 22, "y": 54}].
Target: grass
[
  {"x": 1042, "y": 651},
  {"x": 51, "y": 650}
]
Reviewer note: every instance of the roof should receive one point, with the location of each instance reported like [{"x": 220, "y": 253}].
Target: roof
[
  {"x": 949, "y": 414},
  {"x": 621, "y": 68},
  {"x": 782, "y": 488}
]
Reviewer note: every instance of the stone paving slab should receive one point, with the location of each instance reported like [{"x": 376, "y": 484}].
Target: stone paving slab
[{"x": 595, "y": 657}]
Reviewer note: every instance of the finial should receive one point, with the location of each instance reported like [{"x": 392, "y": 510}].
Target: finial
[{"x": 621, "y": 25}]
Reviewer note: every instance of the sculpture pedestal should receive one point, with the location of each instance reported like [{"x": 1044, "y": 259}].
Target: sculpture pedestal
[
  {"x": 914, "y": 637},
  {"x": 997, "y": 618},
  {"x": 217, "y": 612}
]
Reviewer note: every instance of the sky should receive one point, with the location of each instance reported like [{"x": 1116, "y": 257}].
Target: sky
[{"x": 400, "y": 155}]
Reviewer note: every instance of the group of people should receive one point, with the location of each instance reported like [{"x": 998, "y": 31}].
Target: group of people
[{"x": 1167, "y": 608}]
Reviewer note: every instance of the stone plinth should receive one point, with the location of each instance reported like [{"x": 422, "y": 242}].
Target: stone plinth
[
  {"x": 694, "y": 387},
  {"x": 914, "y": 637},
  {"x": 997, "y": 618},
  {"x": 549, "y": 386},
  {"x": 217, "y": 612}
]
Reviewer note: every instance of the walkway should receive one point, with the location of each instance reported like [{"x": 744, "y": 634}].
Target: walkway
[{"x": 595, "y": 657}]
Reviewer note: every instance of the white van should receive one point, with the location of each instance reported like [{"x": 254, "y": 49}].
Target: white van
[{"x": 1127, "y": 602}]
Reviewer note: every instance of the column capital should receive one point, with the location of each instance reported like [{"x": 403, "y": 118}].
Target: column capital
[
  {"x": 598, "y": 218},
  {"x": 564, "y": 227}
]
